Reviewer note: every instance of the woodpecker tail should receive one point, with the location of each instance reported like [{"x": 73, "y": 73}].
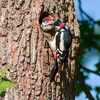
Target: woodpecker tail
[
  {"x": 54, "y": 72},
  {"x": 67, "y": 52}
]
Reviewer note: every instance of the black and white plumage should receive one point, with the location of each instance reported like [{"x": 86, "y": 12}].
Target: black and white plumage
[
  {"x": 63, "y": 42},
  {"x": 60, "y": 44}
]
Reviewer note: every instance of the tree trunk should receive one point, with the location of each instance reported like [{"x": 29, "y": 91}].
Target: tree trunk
[{"x": 22, "y": 48}]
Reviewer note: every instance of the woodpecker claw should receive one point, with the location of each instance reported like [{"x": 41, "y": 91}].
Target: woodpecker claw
[
  {"x": 46, "y": 42},
  {"x": 46, "y": 39}
]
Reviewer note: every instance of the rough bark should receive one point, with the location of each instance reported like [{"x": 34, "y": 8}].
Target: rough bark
[{"x": 22, "y": 49}]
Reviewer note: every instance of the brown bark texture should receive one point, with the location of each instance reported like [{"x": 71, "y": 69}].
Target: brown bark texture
[{"x": 22, "y": 48}]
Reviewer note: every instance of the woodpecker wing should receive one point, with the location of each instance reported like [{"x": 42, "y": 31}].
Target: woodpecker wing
[
  {"x": 67, "y": 38},
  {"x": 63, "y": 42},
  {"x": 60, "y": 48}
]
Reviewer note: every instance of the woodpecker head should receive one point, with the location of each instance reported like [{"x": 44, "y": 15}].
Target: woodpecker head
[
  {"x": 59, "y": 24},
  {"x": 47, "y": 24}
]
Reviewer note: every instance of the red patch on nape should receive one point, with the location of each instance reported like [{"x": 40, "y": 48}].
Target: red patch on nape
[
  {"x": 48, "y": 19},
  {"x": 62, "y": 25}
]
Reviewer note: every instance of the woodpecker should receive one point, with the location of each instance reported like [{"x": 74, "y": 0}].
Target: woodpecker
[
  {"x": 60, "y": 45},
  {"x": 47, "y": 24}
]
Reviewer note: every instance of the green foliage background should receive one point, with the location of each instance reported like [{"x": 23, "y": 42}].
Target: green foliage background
[
  {"x": 90, "y": 39},
  {"x": 5, "y": 83}
]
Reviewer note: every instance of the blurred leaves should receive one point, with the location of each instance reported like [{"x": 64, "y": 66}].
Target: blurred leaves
[
  {"x": 97, "y": 22},
  {"x": 90, "y": 39},
  {"x": 98, "y": 92},
  {"x": 78, "y": 85},
  {"x": 79, "y": 90},
  {"x": 98, "y": 67}
]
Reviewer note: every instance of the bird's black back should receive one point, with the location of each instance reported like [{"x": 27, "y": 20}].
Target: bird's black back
[{"x": 67, "y": 37}]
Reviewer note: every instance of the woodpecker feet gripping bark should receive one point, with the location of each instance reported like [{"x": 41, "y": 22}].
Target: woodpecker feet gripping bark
[{"x": 46, "y": 42}]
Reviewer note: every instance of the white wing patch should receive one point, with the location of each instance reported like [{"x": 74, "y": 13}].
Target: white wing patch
[
  {"x": 59, "y": 51},
  {"x": 66, "y": 27},
  {"x": 62, "y": 47}
]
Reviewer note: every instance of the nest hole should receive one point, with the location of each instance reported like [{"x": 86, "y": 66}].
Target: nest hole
[{"x": 43, "y": 15}]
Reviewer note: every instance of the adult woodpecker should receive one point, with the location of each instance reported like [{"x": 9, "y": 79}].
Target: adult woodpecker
[{"x": 60, "y": 45}]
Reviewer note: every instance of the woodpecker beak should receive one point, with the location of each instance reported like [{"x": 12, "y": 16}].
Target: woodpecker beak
[
  {"x": 52, "y": 25},
  {"x": 57, "y": 28}
]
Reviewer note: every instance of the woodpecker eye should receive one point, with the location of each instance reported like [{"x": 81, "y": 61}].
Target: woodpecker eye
[{"x": 46, "y": 22}]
